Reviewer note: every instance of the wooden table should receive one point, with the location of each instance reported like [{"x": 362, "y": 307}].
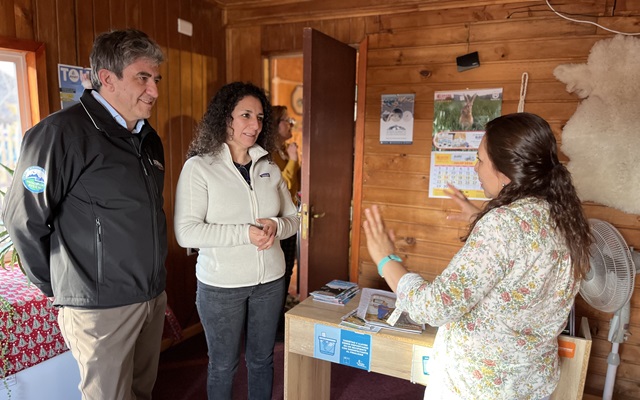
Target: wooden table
[{"x": 309, "y": 378}]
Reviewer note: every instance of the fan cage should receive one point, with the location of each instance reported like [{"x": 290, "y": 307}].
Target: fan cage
[{"x": 611, "y": 285}]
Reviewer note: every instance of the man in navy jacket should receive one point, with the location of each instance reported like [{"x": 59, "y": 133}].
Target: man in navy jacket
[{"x": 85, "y": 212}]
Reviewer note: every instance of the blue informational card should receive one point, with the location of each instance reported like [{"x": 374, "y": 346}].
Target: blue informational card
[{"x": 342, "y": 346}]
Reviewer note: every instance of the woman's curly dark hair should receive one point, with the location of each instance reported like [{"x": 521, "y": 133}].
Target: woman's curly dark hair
[
  {"x": 212, "y": 131},
  {"x": 523, "y": 148}
]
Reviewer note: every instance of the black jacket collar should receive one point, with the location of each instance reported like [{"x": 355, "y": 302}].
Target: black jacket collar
[{"x": 102, "y": 119}]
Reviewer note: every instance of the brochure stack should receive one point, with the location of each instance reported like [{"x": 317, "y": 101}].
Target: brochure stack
[{"x": 336, "y": 292}]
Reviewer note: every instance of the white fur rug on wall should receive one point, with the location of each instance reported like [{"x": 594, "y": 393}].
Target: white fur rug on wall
[{"x": 602, "y": 138}]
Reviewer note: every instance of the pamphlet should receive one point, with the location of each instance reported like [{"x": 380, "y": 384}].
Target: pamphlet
[
  {"x": 336, "y": 292},
  {"x": 377, "y": 306},
  {"x": 352, "y": 320}
]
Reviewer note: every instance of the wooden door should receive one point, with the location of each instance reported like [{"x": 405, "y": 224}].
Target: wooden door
[{"x": 329, "y": 71}]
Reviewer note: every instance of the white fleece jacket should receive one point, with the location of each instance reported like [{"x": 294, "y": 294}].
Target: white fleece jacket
[{"x": 214, "y": 208}]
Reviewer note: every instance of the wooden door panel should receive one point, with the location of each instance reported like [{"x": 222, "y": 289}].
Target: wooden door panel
[{"x": 329, "y": 68}]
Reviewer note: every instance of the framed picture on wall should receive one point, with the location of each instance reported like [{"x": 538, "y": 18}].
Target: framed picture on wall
[{"x": 296, "y": 100}]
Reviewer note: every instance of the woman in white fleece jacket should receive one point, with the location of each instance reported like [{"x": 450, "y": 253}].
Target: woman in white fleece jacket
[{"x": 233, "y": 205}]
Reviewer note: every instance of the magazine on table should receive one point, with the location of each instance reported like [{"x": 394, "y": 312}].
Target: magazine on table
[
  {"x": 377, "y": 307},
  {"x": 352, "y": 320},
  {"x": 336, "y": 292}
]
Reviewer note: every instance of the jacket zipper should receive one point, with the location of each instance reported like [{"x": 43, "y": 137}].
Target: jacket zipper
[
  {"x": 254, "y": 201},
  {"x": 99, "y": 252},
  {"x": 154, "y": 213},
  {"x": 153, "y": 174}
]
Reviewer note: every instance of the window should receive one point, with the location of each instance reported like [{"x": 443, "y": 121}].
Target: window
[{"x": 15, "y": 113}]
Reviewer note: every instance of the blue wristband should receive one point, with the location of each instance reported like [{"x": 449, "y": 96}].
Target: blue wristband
[{"x": 385, "y": 260}]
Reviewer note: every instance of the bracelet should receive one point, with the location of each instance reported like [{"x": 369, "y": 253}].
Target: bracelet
[{"x": 385, "y": 260}]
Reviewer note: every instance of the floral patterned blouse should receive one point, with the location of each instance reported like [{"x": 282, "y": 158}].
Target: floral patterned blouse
[{"x": 500, "y": 305}]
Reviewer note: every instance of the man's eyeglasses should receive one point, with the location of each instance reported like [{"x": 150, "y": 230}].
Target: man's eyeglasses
[{"x": 290, "y": 121}]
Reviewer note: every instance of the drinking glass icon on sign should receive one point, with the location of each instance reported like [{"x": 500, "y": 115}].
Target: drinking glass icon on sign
[{"x": 327, "y": 345}]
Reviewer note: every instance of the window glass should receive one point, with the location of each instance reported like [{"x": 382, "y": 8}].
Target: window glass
[{"x": 14, "y": 111}]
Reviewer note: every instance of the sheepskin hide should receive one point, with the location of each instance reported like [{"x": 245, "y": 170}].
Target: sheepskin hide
[{"x": 602, "y": 138}]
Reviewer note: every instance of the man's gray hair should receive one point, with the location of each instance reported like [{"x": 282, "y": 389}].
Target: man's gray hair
[{"x": 116, "y": 50}]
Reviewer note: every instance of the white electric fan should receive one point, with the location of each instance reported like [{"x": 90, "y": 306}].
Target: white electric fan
[{"x": 608, "y": 287}]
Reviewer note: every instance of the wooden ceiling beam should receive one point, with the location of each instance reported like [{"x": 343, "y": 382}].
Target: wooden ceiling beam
[{"x": 264, "y": 12}]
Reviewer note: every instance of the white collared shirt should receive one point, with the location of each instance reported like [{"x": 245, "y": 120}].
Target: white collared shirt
[{"x": 115, "y": 114}]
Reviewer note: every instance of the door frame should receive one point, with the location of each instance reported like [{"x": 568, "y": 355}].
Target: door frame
[{"x": 358, "y": 161}]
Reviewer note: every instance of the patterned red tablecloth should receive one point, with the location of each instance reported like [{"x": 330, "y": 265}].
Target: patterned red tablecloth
[
  {"x": 29, "y": 327},
  {"x": 29, "y": 324}
]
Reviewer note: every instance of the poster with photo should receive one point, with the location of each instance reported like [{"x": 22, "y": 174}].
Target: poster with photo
[
  {"x": 70, "y": 80},
  {"x": 459, "y": 118},
  {"x": 396, "y": 119}
]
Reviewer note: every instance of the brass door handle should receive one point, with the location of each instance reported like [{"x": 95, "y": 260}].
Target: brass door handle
[{"x": 305, "y": 220}]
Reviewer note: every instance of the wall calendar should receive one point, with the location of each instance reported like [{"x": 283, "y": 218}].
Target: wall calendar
[{"x": 458, "y": 127}]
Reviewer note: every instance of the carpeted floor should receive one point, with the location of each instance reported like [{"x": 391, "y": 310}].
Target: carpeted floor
[{"x": 183, "y": 369}]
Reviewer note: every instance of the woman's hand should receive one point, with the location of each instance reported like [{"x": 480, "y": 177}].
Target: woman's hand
[
  {"x": 292, "y": 151},
  {"x": 264, "y": 234},
  {"x": 380, "y": 244},
  {"x": 468, "y": 210},
  {"x": 379, "y": 241}
]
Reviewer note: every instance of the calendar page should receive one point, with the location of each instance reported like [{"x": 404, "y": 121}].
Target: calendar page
[
  {"x": 459, "y": 118},
  {"x": 455, "y": 168}
]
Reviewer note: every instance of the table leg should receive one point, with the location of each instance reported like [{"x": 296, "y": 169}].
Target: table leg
[{"x": 306, "y": 377}]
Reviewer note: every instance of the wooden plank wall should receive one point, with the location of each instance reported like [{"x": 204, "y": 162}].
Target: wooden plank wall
[
  {"x": 192, "y": 72},
  {"x": 397, "y": 176},
  {"x": 412, "y": 49}
]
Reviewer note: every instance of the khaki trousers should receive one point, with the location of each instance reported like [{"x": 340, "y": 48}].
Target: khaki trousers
[{"x": 117, "y": 349}]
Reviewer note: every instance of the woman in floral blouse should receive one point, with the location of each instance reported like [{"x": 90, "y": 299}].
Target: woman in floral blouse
[{"x": 505, "y": 296}]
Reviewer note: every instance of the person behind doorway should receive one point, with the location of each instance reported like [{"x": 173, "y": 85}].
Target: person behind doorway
[
  {"x": 505, "y": 297},
  {"x": 85, "y": 214},
  {"x": 233, "y": 205},
  {"x": 286, "y": 157}
]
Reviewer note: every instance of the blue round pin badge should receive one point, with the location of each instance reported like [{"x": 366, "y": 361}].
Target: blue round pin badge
[{"x": 34, "y": 179}]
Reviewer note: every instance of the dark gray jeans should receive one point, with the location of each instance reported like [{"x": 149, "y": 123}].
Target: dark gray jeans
[{"x": 225, "y": 313}]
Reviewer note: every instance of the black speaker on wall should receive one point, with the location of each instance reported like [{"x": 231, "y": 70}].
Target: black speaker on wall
[{"x": 468, "y": 61}]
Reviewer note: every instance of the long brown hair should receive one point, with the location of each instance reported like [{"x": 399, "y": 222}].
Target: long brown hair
[
  {"x": 523, "y": 148},
  {"x": 277, "y": 112}
]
